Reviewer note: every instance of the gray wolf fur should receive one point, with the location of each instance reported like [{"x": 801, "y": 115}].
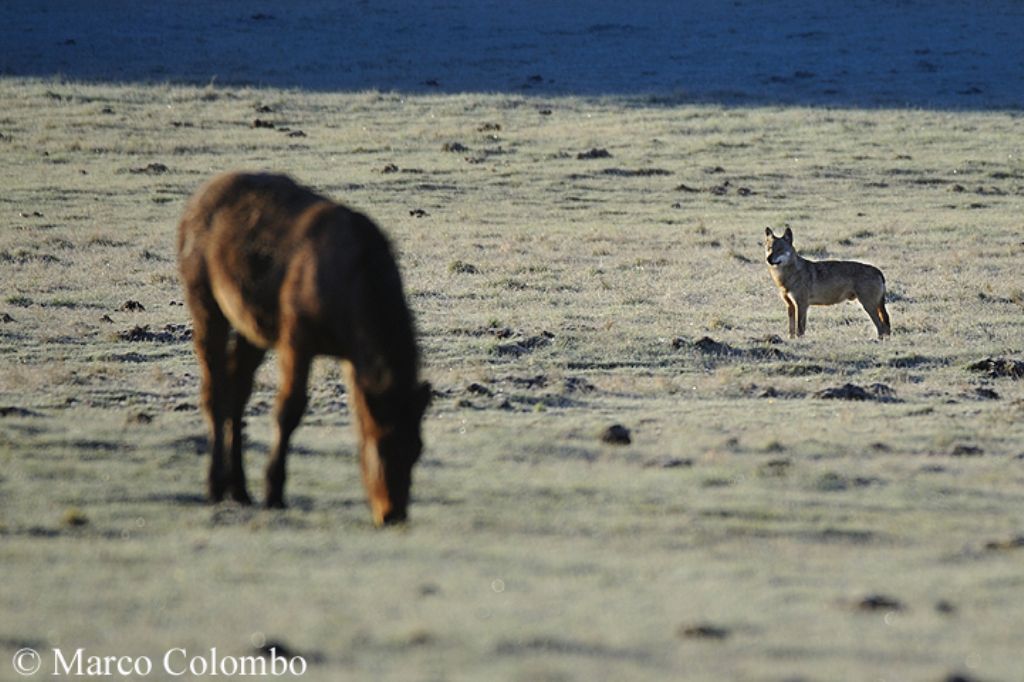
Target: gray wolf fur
[{"x": 804, "y": 283}]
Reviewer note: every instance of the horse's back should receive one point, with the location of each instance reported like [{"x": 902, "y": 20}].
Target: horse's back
[{"x": 237, "y": 243}]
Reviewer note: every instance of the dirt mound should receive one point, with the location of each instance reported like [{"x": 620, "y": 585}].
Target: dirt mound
[
  {"x": 708, "y": 346},
  {"x": 524, "y": 345},
  {"x": 877, "y": 392},
  {"x": 594, "y": 154},
  {"x": 171, "y": 333},
  {"x": 616, "y": 434},
  {"x": 998, "y": 368}
]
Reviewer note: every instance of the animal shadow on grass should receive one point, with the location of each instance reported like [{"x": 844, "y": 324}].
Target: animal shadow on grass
[
  {"x": 179, "y": 499},
  {"x": 199, "y": 444}
]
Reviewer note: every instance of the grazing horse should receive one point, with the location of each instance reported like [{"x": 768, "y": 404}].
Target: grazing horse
[{"x": 267, "y": 263}]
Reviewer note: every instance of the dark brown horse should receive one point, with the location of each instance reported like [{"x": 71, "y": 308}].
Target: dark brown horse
[{"x": 267, "y": 264}]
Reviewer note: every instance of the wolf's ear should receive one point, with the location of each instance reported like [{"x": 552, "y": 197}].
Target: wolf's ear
[
  {"x": 788, "y": 236},
  {"x": 768, "y": 232}
]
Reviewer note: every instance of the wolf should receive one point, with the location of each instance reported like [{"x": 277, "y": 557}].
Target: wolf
[
  {"x": 269, "y": 264},
  {"x": 804, "y": 282}
]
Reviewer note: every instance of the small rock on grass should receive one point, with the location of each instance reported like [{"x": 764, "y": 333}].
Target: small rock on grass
[
  {"x": 74, "y": 517},
  {"x": 1004, "y": 545},
  {"x": 670, "y": 463},
  {"x": 479, "y": 389},
  {"x": 278, "y": 648},
  {"x": 15, "y": 411},
  {"x": 150, "y": 169},
  {"x": 616, "y": 434},
  {"x": 594, "y": 153},
  {"x": 879, "y": 602},
  {"x": 461, "y": 267},
  {"x": 967, "y": 451},
  {"x": 983, "y": 393},
  {"x": 703, "y": 631}
]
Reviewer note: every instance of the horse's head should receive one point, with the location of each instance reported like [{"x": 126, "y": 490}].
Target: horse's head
[{"x": 391, "y": 446}]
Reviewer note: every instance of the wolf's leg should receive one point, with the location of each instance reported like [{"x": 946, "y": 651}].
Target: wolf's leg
[
  {"x": 878, "y": 315},
  {"x": 875, "y": 306},
  {"x": 884, "y": 314},
  {"x": 791, "y": 313}
]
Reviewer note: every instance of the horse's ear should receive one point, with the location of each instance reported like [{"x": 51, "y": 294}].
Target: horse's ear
[
  {"x": 788, "y": 236},
  {"x": 421, "y": 397},
  {"x": 376, "y": 377}
]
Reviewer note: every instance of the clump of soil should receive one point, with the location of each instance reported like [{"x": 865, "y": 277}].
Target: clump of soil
[
  {"x": 594, "y": 154},
  {"x": 15, "y": 411},
  {"x": 879, "y": 602},
  {"x": 1005, "y": 545},
  {"x": 461, "y": 267},
  {"x": 616, "y": 434},
  {"x": 171, "y": 333},
  {"x": 998, "y": 368},
  {"x": 524, "y": 345},
  {"x": 636, "y": 173},
  {"x": 877, "y": 392},
  {"x": 151, "y": 169},
  {"x": 708, "y": 346},
  {"x": 703, "y": 631}
]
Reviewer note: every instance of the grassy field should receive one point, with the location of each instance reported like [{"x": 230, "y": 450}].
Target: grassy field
[{"x": 566, "y": 259}]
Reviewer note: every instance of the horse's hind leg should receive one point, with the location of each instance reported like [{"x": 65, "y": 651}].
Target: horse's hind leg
[
  {"x": 210, "y": 334},
  {"x": 244, "y": 360},
  {"x": 295, "y": 361}
]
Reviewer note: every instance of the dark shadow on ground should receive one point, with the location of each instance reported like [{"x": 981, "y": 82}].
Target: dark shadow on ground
[{"x": 860, "y": 53}]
